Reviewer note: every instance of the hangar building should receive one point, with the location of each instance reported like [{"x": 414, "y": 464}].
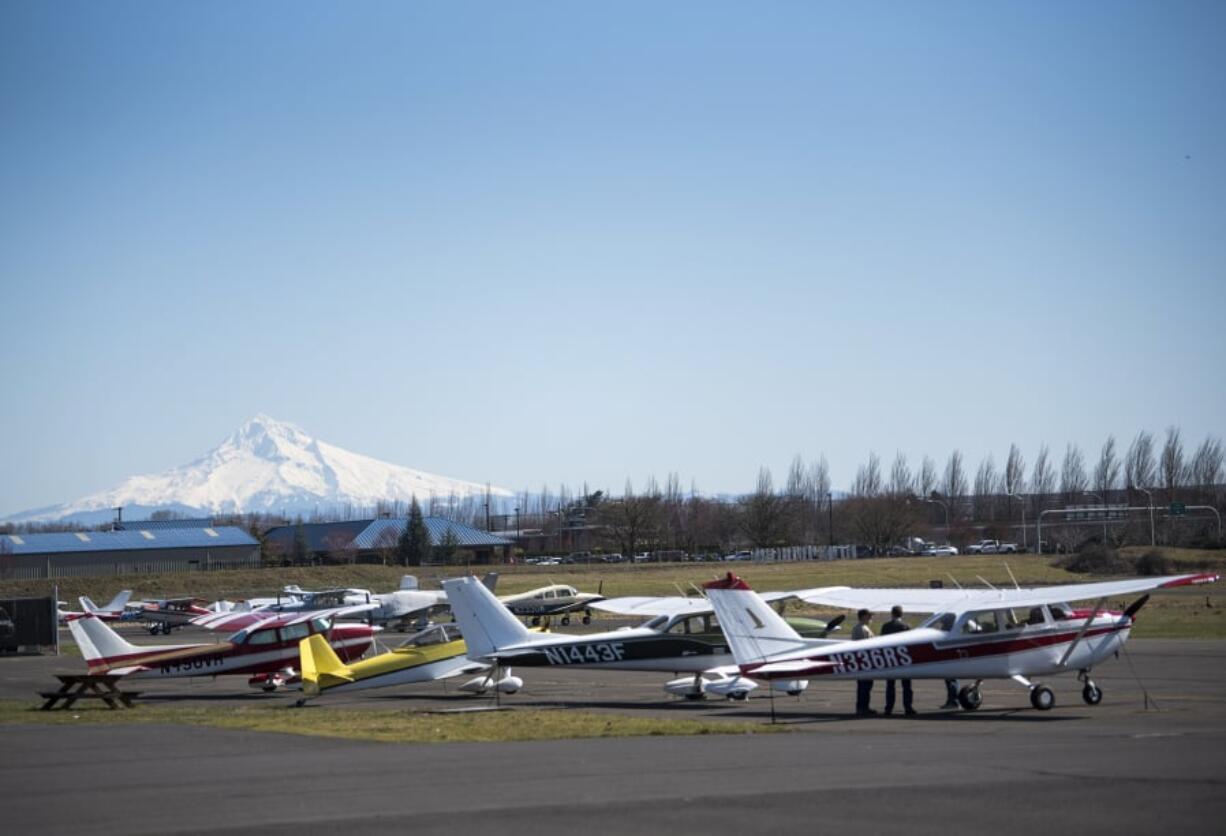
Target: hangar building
[{"x": 135, "y": 550}]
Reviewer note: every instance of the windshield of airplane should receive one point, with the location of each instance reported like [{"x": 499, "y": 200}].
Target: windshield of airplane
[
  {"x": 943, "y": 621},
  {"x": 253, "y": 635},
  {"x": 436, "y": 634},
  {"x": 321, "y": 625},
  {"x": 657, "y": 623}
]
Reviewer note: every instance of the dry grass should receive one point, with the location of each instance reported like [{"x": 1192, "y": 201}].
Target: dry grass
[{"x": 390, "y": 726}]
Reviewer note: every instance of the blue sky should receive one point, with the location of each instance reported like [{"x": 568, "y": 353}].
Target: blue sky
[{"x": 559, "y": 242}]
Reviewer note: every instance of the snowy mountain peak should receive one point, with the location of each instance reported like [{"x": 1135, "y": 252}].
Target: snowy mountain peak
[{"x": 267, "y": 465}]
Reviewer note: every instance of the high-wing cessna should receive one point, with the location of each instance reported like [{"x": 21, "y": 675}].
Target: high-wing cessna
[
  {"x": 438, "y": 652},
  {"x": 974, "y": 634},
  {"x": 169, "y": 613},
  {"x": 113, "y": 611},
  {"x": 685, "y": 642},
  {"x": 266, "y": 650}
]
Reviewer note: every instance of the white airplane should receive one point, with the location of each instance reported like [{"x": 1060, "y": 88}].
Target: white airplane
[
  {"x": 686, "y": 642},
  {"x": 973, "y": 635},
  {"x": 113, "y": 611}
]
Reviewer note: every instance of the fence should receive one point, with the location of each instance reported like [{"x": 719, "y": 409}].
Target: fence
[{"x": 792, "y": 554}]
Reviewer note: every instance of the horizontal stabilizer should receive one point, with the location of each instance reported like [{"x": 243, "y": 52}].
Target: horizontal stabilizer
[{"x": 321, "y": 667}]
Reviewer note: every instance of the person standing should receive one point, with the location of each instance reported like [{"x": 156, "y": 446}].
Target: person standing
[
  {"x": 951, "y": 694},
  {"x": 864, "y": 687},
  {"x": 897, "y": 625}
]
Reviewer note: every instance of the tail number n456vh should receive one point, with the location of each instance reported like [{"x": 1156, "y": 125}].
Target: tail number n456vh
[{"x": 585, "y": 654}]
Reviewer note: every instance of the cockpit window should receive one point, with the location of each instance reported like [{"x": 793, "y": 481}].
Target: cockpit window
[
  {"x": 982, "y": 621},
  {"x": 656, "y": 623},
  {"x": 268, "y": 636},
  {"x": 943, "y": 621},
  {"x": 295, "y": 632},
  {"x": 320, "y": 625}
]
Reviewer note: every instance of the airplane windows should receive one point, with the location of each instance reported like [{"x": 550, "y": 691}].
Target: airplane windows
[
  {"x": 941, "y": 621},
  {"x": 320, "y": 625},
  {"x": 1060, "y": 611},
  {"x": 295, "y": 632},
  {"x": 983, "y": 621},
  {"x": 262, "y": 637},
  {"x": 657, "y": 622},
  {"x": 1036, "y": 616}
]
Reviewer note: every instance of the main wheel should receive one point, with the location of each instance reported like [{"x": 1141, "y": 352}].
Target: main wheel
[
  {"x": 587, "y": 619},
  {"x": 1042, "y": 698},
  {"x": 536, "y": 620},
  {"x": 1092, "y": 694},
  {"x": 566, "y": 621},
  {"x": 970, "y": 697},
  {"x": 739, "y": 696}
]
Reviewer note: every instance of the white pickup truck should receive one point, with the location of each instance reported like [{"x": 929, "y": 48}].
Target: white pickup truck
[{"x": 992, "y": 547}]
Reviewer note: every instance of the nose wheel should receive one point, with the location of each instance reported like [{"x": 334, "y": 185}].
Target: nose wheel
[
  {"x": 970, "y": 697},
  {"x": 1042, "y": 698}
]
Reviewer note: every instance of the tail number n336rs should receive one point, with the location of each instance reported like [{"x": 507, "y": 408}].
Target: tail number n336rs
[
  {"x": 586, "y": 654},
  {"x": 867, "y": 660}
]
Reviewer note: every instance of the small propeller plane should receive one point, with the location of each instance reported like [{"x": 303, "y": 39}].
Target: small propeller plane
[
  {"x": 265, "y": 650},
  {"x": 438, "y": 652},
  {"x": 973, "y": 635},
  {"x": 113, "y": 611},
  {"x": 685, "y": 641},
  {"x": 171, "y": 613},
  {"x": 554, "y": 599}
]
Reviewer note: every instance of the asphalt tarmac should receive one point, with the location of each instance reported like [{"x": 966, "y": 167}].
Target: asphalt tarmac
[{"x": 1119, "y": 767}]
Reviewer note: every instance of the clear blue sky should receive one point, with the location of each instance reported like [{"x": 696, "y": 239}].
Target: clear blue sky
[{"x": 567, "y": 242}]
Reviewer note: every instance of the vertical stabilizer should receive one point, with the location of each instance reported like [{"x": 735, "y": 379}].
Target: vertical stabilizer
[
  {"x": 119, "y": 601},
  {"x": 487, "y": 625},
  {"x": 99, "y": 644},
  {"x": 755, "y": 632},
  {"x": 321, "y": 667}
]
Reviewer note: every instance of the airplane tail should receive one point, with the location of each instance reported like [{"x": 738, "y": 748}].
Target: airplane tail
[
  {"x": 490, "y": 581},
  {"x": 119, "y": 601},
  {"x": 87, "y": 604},
  {"x": 755, "y": 632},
  {"x": 487, "y": 625},
  {"x": 99, "y": 644},
  {"x": 321, "y": 667}
]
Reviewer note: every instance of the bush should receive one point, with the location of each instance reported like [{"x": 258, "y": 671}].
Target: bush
[
  {"x": 1155, "y": 563},
  {"x": 1096, "y": 559}
]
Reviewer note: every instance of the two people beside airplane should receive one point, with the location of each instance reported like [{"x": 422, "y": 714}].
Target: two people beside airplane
[{"x": 864, "y": 687}]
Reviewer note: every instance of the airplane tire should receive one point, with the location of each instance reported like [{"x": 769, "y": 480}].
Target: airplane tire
[
  {"x": 566, "y": 621},
  {"x": 695, "y": 695},
  {"x": 970, "y": 697},
  {"x": 536, "y": 620},
  {"x": 739, "y": 696},
  {"x": 1092, "y": 694},
  {"x": 1042, "y": 698},
  {"x": 587, "y": 619}
]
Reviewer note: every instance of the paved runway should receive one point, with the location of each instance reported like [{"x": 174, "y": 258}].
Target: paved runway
[{"x": 1114, "y": 768}]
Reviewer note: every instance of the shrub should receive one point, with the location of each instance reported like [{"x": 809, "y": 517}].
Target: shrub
[
  {"x": 1096, "y": 559},
  {"x": 1155, "y": 563}
]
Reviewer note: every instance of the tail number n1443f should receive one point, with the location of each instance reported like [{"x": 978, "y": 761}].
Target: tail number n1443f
[{"x": 586, "y": 654}]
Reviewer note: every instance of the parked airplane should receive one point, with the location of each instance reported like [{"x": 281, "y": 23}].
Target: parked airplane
[
  {"x": 682, "y": 643},
  {"x": 438, "y": 652},
  {"x": 682, "y": 605},
  {"x": 399, "y": 609},
  {"x": 555, "y": 599},
  {"x": 266, "y": 651},
  {"x": 113, "y": 611},
  {"x": 170, "y": 613},
  {"x": 974, "y": 634}
]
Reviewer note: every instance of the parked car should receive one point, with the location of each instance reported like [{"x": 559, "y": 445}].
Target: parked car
[
  {"x": 941, "y": 551},
  {"x": 992, "y": 547}
]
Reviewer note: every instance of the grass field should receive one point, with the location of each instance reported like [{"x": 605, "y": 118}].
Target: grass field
[
  {"x": 1193, "y": 613},
  {"x": 390, "y": 726}
]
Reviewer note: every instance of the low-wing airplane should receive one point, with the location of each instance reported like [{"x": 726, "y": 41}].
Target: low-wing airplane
[
  {"x": 974, "y": 634},
  {"x": 170, "y": 613},
  {"x": 113, "y": 611},
  {"x": 266, "y": 650},
  {"x": 554, "y": 599},
  {"x": 685, "y": 642},
  {"x": 438, "y": 652}
]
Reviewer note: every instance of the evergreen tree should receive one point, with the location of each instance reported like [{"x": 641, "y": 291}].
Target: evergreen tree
[{"x": 413, "y": 548}]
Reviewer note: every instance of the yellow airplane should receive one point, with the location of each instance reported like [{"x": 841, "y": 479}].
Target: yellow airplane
[{"x": 435, "y": 653}]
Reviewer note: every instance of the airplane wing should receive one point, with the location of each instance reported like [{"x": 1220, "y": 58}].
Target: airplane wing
[
  {"x": 960, "y": 600},
  {"x": 334, "y": 612},
  {"x": 648, "y": 606}
]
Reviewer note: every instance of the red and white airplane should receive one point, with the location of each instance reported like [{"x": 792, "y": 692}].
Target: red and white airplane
[
  {"x": 266, "y": 650},
  {"x": 973, "y": 635},
  {"x": 113, "y": 611}
]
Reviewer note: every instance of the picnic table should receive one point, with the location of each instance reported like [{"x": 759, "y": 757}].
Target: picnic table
[{"x": 87, "y": 686}]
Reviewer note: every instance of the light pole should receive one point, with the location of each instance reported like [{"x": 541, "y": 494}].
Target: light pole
[
  {"x": 1022, "y": 499},
  {"x": 1150, "y": 496},
  {"x": 1103, "y": 503},
  {"x": 945, "y": 507}
]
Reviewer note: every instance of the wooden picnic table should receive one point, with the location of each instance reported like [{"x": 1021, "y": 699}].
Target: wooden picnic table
[{"x": 87, "y": 686}]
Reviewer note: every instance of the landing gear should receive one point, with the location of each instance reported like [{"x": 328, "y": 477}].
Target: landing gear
[
  {"x": 1090, "y": 693},
  {"x": 536, "y": 621},
  {"x": 587, "y": 616},
  {"x": 1042, "y": 698},
  {"x": 566, "y": 621},
  {"x": 970, "y": 697}
]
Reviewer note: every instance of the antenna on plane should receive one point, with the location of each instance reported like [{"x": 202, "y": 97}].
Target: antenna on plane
[
  {"x": 1016, "y": 585},
  {"x": 955, "y": 580},
  {"x": 985, "y": 583}
]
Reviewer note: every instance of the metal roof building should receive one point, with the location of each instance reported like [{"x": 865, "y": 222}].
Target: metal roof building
[
  {"x": 121, "y": 552},
  {"x": 466, "y": 537}
]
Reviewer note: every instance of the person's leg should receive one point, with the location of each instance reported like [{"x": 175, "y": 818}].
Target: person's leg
[
  {"x": 907, "y": 695},
  {"x": 951, "y": 693},
  {"x": 889, "y": 695}
]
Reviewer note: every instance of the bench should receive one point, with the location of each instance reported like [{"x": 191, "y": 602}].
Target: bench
[{"x": 75, "y": 687}]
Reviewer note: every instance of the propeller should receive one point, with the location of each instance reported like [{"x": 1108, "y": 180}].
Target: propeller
[
  {"x": 834, "y": 623},
  {"x": 1136, "y": 606}
]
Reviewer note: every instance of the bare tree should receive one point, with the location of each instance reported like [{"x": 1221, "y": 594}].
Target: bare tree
[
  {"x": 796, "y": 478},
  {"x": 1015, "y": 472},
  {"x": 1173, "y": 470},
  {"x": 868, "y": 478},
  {"x": 631, "y": 519},
  {"x": 1042, "y": 477},
  {"x": 926, "y": 480},
  {"x": 1073, "y": 479},
  {"x": 1207, "y": 464},
  {"x": 901, "y": 481},
  {"x": 763, "y": 513},
  {"x": 1139, "y": 462},
  {"x": 1107, "y": 471},
  {"x": 985, "y": 489},
  {"x": 955, "y": 476}
]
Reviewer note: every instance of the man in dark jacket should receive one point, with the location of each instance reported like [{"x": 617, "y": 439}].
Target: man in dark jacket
[{"x": 897, "y": 625}]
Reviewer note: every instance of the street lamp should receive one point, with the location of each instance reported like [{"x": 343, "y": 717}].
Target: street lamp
[
  {"x": 1152, "y": 540},
  {"x": 945, "y": 507},
  {"x": 1022, "y": 499}
]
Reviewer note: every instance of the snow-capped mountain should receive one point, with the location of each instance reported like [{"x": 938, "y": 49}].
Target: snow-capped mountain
[{"x": 265, "y": 466}]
